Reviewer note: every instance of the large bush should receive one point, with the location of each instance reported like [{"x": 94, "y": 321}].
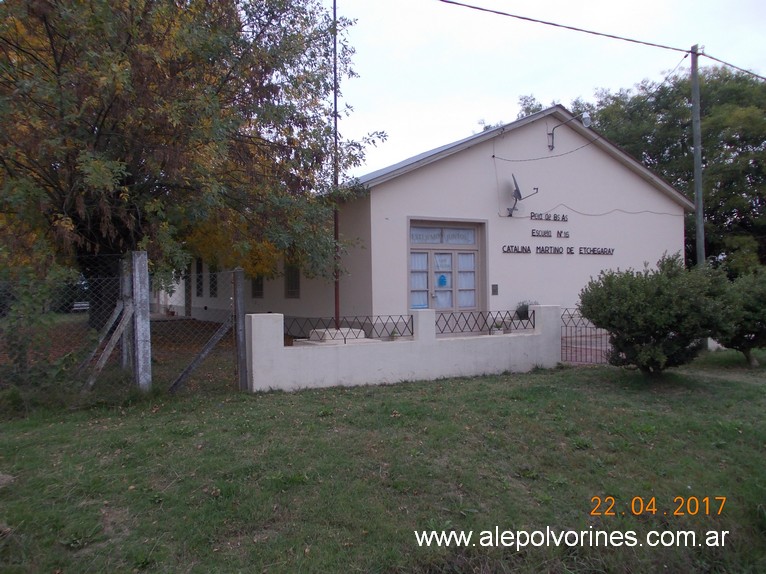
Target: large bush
[
  {"x": 748, "y": 294},
  {"x": 658, "y": 318}
]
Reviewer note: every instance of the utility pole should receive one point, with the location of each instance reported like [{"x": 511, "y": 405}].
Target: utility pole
[
  {"x": 697, "y": 143},
  {"x": 335, "y": 166}
]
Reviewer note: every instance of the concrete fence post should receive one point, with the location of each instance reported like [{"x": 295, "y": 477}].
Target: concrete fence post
[
  {"x": 548, "y": 325},
  {"x": 239, "y": 327},
  {"x": 142, "y": 333},
  {"x": 424, "y": 325},
  {"x": 126, "y": 294},
  {"x": 265, "y": 349}
]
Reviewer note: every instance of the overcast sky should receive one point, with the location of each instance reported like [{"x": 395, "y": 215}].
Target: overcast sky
[{"x": 429, "y": 72}]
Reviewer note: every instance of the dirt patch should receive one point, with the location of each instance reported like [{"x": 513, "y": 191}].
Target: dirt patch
[
  {"x": 6, "y": 480},
  {"x": 115, "y": 522}
]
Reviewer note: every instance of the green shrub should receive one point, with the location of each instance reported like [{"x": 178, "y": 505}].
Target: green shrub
[
  {"x": 659, "y": 318},
  {"x": 748, "y": 293}
]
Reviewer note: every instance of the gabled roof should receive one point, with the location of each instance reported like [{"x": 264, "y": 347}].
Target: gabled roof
[{"x": 559, "y": 113}]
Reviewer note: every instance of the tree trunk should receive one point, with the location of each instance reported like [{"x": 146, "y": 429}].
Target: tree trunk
[{"x": 751, "y": 360}]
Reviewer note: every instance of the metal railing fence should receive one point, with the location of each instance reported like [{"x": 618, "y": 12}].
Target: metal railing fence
[
  {"x": 483, "y": 322},
  {"x": 345, "y": 328},
  {"x": 581, "y": 341}
]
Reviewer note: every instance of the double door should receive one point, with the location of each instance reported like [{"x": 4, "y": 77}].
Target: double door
[{"x": 444, "y": 280}]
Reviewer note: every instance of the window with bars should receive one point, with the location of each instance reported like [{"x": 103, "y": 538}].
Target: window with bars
[
  {"x": 292, "y": 282},
  {"x": 198, "y": 278},
  {"x": 256, "y": 287},
  {"x": 213, "y": 283}
]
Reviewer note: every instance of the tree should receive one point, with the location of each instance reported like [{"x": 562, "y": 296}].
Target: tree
[
  {"x": 653, "y": 123},
  {"x": 658, "y": 318},
  {"x": 528, "y": 105},
  {"x": 749, "y": 297},
  {"x": 150, "y": 124}
]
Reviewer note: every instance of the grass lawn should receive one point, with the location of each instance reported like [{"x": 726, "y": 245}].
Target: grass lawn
[{"x": 338, "y": 480}]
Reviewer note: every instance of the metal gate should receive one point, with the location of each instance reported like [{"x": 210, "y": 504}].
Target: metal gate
[{"x": 581, "y": 341}]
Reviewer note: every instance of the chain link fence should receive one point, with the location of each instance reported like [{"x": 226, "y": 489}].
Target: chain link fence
[
  {"x": 48, "y": 324},
  {"x": 54, "y": 330},
  {"x": 182, "y": 326}
]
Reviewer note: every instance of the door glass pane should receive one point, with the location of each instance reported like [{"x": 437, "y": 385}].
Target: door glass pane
[
  {"x": 443, "y": 299},
  {"x": 466, "y": 280},
  {"x": 442, "y": 261},
  {"x": 443, "y": 280},
  {"x": 419, "y": 280},
  {"x": 419, "y": 300},
  {"x": 466, "y": 261},
  {"x": 466, "y": 298},
  {"x": 419, "y": 261}
]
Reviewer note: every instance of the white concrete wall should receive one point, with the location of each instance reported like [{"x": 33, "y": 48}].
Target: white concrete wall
[{"x": 271, "y": 365}]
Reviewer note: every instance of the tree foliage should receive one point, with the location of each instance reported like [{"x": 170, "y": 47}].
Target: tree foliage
[
  {"x": 658, "y": 318},
  {"x": 172, "y": 126},
  {"x": 749, "y": 332},
  {"x": 653, "y": 123},
  {"x": 528, "y": 105}
]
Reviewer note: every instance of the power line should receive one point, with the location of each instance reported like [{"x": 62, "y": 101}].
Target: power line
[
  {"x": 573, "y": 28},
  {"x": 602, "y": 34},
  {"x": 733, "y": 66}
]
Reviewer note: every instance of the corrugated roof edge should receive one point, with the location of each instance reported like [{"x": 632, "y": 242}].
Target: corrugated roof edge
[{"x": 387, "y": 173}]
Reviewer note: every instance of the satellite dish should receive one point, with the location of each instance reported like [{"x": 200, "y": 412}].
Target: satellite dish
[
  {"x": 517, "y": 196},
  {"x": 516, "y": 190}
]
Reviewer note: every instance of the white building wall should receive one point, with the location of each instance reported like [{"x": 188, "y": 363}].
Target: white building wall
[
  {"x": 604, "y": 203},
  {"x": 356, "y": 287},
  {"x": 209, "y": 307}
]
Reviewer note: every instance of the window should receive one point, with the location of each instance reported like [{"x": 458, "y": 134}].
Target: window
[
  {"x": 213, "y": 281},
  {"x": 198, "y": 281},
  {"x": 292, "y": 282},
  {"x": 256, "y": 288}
]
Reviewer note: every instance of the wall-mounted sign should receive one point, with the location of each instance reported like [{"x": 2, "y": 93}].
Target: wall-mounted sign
[
  {"x": 558, "y": 234},
  {"x": 596, "y": 251},
  {"x": 536, "y": 216},
  {"x": 517, "y": 249},
  {"x": 549, "y": 233},
  {"x": 549, "y": 250},
  {"x": 442, "y": 235},
  {"x": 557, "y": 250}
]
